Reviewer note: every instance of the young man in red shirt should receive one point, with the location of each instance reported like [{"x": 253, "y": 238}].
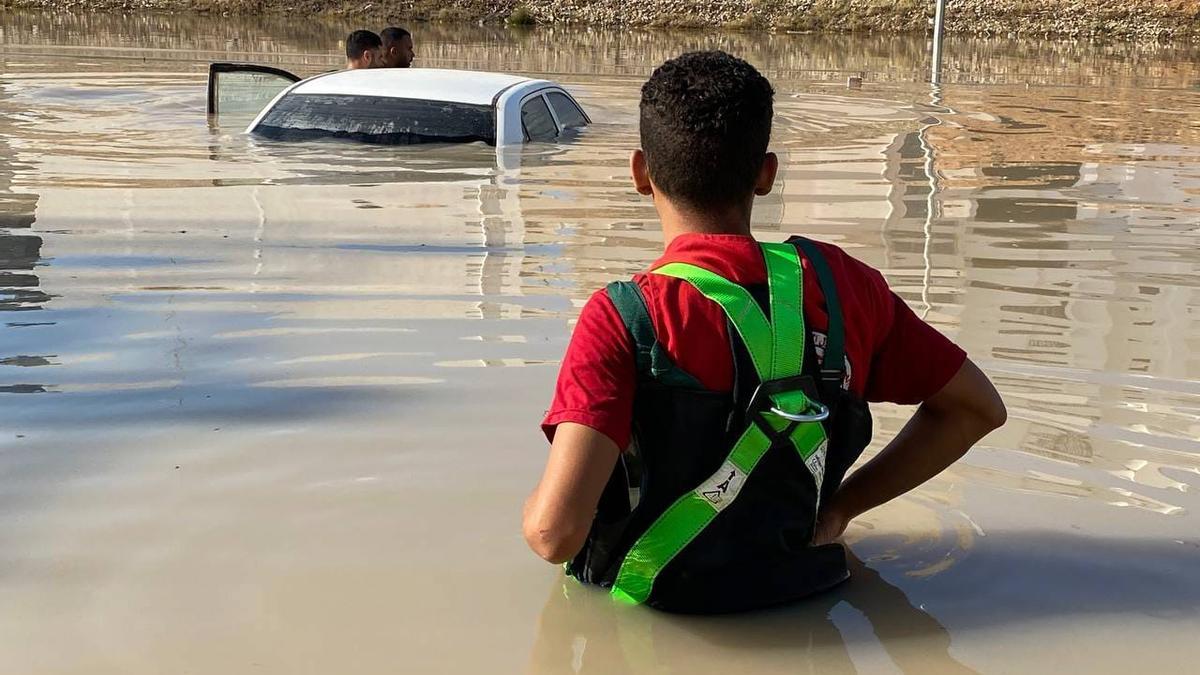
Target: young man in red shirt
[{"x": 729, "y": 383}]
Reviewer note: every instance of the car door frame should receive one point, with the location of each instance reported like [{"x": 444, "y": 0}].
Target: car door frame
[
  {"x": 540, "y": 93},
  {"x": 216, "y": 69},
  {"x": 509, "y": 128},
  {"x": 544, "y": 93}
]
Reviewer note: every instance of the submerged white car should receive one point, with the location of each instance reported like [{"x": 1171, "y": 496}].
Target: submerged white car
[{"x": 400, "y": 106}]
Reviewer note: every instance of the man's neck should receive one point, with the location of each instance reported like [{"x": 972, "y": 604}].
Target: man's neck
[{"x": 677, "y": 220}]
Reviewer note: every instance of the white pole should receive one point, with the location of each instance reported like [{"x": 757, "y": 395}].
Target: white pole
[{"x": 939, "y": 16}]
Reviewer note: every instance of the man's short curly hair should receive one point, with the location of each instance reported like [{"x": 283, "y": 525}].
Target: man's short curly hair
[{"x": 705, "y": 124}]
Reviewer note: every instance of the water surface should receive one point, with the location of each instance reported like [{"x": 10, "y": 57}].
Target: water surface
[{"x": 274, "y": 407}]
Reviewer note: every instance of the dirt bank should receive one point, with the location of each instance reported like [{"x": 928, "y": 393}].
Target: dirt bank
[{"x": 1101, "y": 19}]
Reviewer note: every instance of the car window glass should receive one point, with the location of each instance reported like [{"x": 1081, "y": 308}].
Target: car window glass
[
  {"x": 539, "y": 125},
  {"x": 568, "y": 113},
  {"x": 246, "y": 92},
  {"x": 377, "y": 119}
]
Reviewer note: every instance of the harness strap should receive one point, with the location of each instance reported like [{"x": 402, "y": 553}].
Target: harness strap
[
  {"x": 751, "y": 324},
  {"x": 833, "y": 365},
  {"x": 691, "y": 513},
  {"x": 776, "y": 348},
  {"x": 652, "y": 359},
  {"x": 632, "y": 307}
]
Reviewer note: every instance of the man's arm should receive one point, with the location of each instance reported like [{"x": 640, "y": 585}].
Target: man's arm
[
  {"x": 559, "y": 512},
  {"x": 944, "y": 427}
]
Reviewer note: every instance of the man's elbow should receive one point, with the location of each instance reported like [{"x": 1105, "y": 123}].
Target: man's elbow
[
  {"x": 996, "y": 414},
  {"x": 554, "y": 544},
  {"x": 972, "y": 397},
  {"x": 990, "y": 410},
  {"x": 985, "y": 415}
]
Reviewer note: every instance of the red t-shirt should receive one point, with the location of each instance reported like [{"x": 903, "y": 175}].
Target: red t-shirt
[{"x": 891, "y": 354}]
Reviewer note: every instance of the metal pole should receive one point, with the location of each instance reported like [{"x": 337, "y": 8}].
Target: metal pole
[{"x": 938, "y": 27}]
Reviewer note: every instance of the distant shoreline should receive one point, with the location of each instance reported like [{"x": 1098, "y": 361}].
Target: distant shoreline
[{"x": 1118, "y": 20}]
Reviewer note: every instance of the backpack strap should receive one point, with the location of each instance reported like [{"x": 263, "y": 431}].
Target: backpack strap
[
  {"x": 833, "y": 365},
  {"x": 652, "y": 359}
]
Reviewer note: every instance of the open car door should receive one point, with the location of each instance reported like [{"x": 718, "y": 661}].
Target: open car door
[{"x": 244, "y": 89}]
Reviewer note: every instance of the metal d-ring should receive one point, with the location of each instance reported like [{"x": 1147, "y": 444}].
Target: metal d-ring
[{"x": 821, "y": 415}]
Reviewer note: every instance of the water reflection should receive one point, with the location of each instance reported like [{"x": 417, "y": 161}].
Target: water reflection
[
  {"x": 20, "y": 256},
  {"x": 20, "y": 251},
  {"x": 1018, "y": 581},
  {"x": 581, "y": 630},
  {"x": 1063, "y": 250}
]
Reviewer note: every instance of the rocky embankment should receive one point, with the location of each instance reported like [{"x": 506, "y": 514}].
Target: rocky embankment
[{"x": 1175, "y": 20}]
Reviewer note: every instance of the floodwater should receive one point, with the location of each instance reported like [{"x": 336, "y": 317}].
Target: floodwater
[{"x": 273, "y": 408}]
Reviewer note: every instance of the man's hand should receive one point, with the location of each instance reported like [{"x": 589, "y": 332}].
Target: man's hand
[
  {"x": 831, "y": 524},
  {"x": 559, "y": 513}
]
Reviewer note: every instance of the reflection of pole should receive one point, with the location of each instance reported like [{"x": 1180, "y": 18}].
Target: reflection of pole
[
  {"x": 497, "y": 194},
  {"x": 931, "y": 204},
  {"x": 259, "y": 232},
  {"x": 938, "y": 26}
]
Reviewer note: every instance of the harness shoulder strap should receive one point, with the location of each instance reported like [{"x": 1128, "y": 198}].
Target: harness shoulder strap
[
  {"x": 627, "y": 298},
  {"x": 652, "y": 359},
  {"x": 833, "y": 365}
]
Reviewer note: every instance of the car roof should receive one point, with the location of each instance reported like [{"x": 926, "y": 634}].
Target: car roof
[{"x": 431, "y": 84}]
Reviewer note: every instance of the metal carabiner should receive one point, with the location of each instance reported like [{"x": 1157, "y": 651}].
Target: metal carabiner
[{"x": 820, "y": 415}]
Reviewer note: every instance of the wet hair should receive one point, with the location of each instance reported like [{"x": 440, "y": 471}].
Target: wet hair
[
  {"x": 393, "y": 34},
  {"x": 359, "y": 42},
  {"x": 705, "y": 122}
]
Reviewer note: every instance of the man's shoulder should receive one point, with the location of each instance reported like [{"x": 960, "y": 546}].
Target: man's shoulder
[{"x": 846, "y": 267}]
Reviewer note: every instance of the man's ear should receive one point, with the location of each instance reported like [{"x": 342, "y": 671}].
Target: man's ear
[
  {"x": 766, "y": 175},
  {"x": 640, "y": 173}
]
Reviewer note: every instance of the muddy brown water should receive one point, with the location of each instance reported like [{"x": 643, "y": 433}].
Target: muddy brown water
[{"x": 273, "y": 408}]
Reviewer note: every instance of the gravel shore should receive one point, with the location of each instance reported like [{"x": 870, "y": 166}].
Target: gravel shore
[{"x": 1166, "y": 20}]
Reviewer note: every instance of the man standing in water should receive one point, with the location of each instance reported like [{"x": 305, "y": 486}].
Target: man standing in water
[
  {"x": 397, "y": 47},
  {"x": 741, "y": 371},
  {"x": 363, "y": 49}
]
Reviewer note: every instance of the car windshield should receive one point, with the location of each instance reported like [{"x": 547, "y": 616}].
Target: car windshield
[{"x": 377, "y": 119}]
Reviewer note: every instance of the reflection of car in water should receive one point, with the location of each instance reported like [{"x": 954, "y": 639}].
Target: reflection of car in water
[
  {"x": 360, "y": 233},
  {"x": 395, "y": 106},
  {"x": 452, "y": 201}
]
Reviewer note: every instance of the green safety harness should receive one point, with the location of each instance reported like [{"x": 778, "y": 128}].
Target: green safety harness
[{"x": 780, "y": 411}]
